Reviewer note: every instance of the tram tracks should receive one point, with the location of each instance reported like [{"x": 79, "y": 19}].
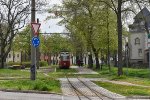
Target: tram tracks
[{"x": 81, "y": 89}]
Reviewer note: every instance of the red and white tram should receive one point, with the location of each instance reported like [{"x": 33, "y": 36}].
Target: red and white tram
[{"x": 64, "y": 61}]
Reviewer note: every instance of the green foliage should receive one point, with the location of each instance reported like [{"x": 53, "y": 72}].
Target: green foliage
[
  {"x": 87, "y": 23},
  {"x": 43, "y": 63},
  {"x": 27, "y": 64},
  {"x": 54, "y": 43},
  {"x": 13, "y": 63},
  {"x": 42, "y": 84},
  {"x": 22, "y": 40},
  {"x": 6, "y": 73}
]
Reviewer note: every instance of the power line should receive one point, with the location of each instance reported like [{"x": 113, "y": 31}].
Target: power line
[{"x": 55, "y": 33}]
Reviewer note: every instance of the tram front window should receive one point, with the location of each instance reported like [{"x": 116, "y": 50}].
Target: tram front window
[{"x": 64, "y": 58}]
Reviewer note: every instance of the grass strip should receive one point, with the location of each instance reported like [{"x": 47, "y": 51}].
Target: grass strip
[{"x": 124, "y": 89}]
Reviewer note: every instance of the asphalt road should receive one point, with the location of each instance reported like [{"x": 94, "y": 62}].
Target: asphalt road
[{"x": 33, "y": 96}]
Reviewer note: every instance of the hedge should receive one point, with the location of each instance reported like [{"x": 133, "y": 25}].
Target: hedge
[{"x": 27, "y": 64}]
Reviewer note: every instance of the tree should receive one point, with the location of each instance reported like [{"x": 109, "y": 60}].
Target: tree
[
  {"x": 117, "y": 7},
  {"x": 13, "y": 14},
  {"x": 88, "y": 19},
  {"x": 54, "y": 44},
  {"x": 22, "y": 42}
]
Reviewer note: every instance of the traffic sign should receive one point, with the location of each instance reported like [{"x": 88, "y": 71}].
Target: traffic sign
[
  {"x": 35, "y": 27},
  {"x": 35, "y": 41}
]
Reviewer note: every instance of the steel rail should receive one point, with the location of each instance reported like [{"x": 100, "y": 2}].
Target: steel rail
[
  {"x": 77, "y": 91},
  {"x": 96, "y": 92}
]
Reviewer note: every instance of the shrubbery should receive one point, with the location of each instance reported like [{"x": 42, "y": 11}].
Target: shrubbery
[
  {"x": 43, "y": 63},
  {"x": 27, "y": 64}
]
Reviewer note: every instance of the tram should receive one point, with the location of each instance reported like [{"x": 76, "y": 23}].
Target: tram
[{"x": 64, "y": 61}]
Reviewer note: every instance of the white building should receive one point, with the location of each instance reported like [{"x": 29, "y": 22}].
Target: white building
[
  {"x": 13, "y": 56},
  {"x": 138, "y": 50}
]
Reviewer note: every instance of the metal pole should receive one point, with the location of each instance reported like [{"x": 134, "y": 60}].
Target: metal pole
[
  {"x": 37, "y": 52},
  {"x": 33, "y": 65}
]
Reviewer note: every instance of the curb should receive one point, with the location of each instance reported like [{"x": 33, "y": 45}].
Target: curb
[{"x": 29, "y": 91}]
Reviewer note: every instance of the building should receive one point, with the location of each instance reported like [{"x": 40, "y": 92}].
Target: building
[
  {"x": 138, "y": 49},
  {"x": 13, "y": 57}
]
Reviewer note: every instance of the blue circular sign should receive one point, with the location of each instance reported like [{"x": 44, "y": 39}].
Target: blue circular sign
[{"x": 35, "y": 41}]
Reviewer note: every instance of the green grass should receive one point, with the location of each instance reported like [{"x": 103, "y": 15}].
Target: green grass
[
  {"x": 47, "y": 84},
  {"x": 125, "y": 90},
  {"x": 13, "y": 73},
  {"x": 50, "y": 83},
  {"x": 136, "y": 76},
  {"x": 42, "y": 82}
]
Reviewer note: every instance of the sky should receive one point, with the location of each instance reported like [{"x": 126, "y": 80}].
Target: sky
[{"x": 50, "y": 26}]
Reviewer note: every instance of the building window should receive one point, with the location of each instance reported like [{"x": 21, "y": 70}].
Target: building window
[
  {"x": 9, "y": 55},
  {"x": 140, "y": 52},
  {"x": 137, "y": 41}
]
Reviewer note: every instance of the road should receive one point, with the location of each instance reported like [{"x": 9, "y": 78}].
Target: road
[{"x": 33, "y": 96}]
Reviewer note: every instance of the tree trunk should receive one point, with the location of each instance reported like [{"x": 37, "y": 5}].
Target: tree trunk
[
  {"x": 119, "y": 27},
  {"x": 13, "y": 56},
  {"x": 90, "y": 61},
  {"x": 108, "y": 49},
  {"x": 115, "y": 59},
  {"x": 96, "y": 56},
  {"x": 49, "y": 59},
  {"x": 2, "y": 63},
  {"x": 2, "y": 57},
  {"x": 97, "y": 61},
  {"x": 21, "y": 57}
]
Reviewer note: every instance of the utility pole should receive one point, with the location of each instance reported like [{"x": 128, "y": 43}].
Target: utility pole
[{"x": 33, "y": 62}]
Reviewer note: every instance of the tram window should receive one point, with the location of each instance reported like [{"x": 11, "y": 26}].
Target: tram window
[{"x": 64, "y": 58}]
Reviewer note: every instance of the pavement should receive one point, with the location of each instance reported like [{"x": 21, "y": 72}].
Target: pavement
[{"x": 33, "y": 96}]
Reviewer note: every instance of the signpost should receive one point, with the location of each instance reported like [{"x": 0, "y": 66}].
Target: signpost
[{"x": 35, "y": 44}]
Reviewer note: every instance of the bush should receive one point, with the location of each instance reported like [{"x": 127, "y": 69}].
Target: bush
[
  {"x": 27, "y": 64},
  {"x": 43, "y": 63},
  {"x": 44, "y": 88},
  {"x": 13, "y": 63}
]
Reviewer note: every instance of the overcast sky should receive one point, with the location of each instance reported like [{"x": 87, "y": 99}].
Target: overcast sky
[{"x": 50, "y": 26}]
